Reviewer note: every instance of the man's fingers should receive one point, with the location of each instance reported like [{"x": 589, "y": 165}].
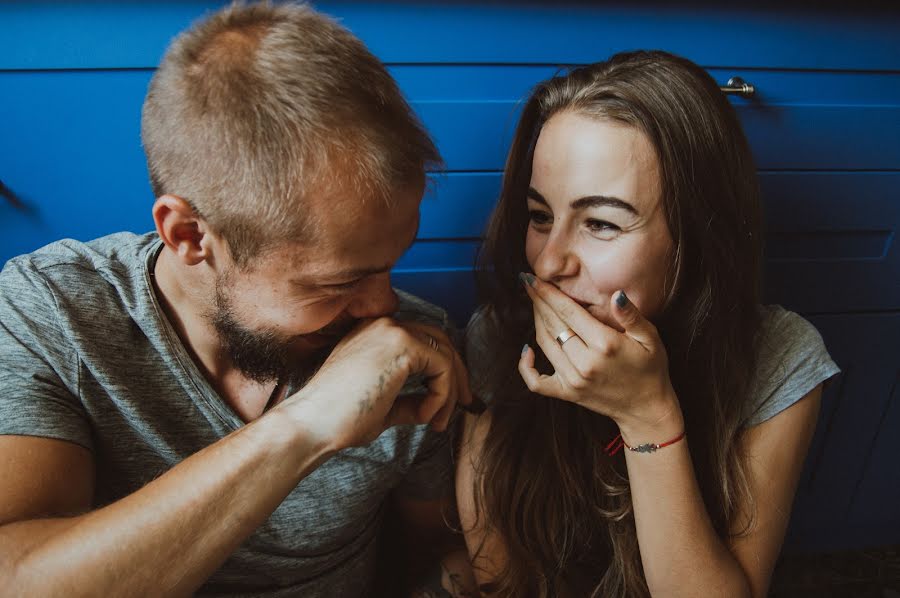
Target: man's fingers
[{"x": 405, "y": 411}]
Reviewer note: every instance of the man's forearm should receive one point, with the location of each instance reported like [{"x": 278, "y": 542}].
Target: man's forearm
[{"x": 171, "y": 535}]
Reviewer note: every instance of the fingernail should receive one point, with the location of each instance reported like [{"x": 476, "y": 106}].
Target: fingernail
[
  {"x": 525, "y": 349},
  {"x": 527, "y": 278},
  {"x": 621, "y": 299}
]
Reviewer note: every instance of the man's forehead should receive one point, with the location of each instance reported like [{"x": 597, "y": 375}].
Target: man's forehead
[{"x": 358, "y": 243}]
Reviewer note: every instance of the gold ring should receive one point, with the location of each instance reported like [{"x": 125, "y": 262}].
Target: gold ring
[
  {"x": 432, "y": 342},
  {"x": 565, "y": 335}
]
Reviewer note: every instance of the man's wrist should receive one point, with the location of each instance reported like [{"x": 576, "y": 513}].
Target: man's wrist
[{"x": 294, "y": 420}]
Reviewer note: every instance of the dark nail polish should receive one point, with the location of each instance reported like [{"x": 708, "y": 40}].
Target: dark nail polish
[
  {"x": 621, "y": 299},
  {"x": 527, "y": 278}
]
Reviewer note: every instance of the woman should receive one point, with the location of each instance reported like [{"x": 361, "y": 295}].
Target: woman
[{"x": 648, "y": 437}]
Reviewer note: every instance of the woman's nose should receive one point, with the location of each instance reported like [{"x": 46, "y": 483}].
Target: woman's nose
[{"x": 556, "y": 259}]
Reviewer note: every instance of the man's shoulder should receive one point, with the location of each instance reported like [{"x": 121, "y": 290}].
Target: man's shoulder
[
  {"x": 79, "y": 281},
  {"x": 120, "y": 252}
]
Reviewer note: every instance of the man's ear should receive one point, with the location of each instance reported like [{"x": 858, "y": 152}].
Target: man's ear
[{"x": 183, "y": 230}]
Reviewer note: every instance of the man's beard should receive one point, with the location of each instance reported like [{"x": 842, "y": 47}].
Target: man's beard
[{"x": 263, "y": 355}]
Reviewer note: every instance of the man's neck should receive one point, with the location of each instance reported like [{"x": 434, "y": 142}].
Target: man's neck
[{"x": 186, "y": 294}]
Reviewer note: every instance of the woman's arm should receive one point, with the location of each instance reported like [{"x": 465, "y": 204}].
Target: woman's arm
[
  {"x": 775, "y": 451},
  {"x": 623, "y": 373},
  {"x": 680, "y": 551},
  {"x": 486, "y": 550}
]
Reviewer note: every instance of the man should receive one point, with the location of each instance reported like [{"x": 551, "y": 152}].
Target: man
[{"x": 212, "y": 407}]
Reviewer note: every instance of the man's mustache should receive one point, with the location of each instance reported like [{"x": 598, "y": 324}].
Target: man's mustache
[{"x": 338, "y": 328}]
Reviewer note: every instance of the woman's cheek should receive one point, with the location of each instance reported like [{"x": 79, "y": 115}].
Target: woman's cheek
[
  {"x": 609, "y": 274},
  {"x": 533, "y": 245}
]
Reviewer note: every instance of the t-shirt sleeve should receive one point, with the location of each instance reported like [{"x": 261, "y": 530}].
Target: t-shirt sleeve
[
  {"x": 793, "y": 360},
  {"x": 477, "y": 352},
  {"x": 430, "y": 475},
  {"x": 38, "y": 367}
]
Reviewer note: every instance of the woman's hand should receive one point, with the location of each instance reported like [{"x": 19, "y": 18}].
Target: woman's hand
[{"x": 623, "y": 375}]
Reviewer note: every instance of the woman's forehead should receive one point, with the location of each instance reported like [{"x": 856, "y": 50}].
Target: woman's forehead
[{"x": 578, "y": 156}]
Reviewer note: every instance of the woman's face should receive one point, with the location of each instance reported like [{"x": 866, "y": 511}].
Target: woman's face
[{"x": 596, "y": 221}]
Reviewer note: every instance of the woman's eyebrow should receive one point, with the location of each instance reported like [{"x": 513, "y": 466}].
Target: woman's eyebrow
[{"x": 589, "y": 201}]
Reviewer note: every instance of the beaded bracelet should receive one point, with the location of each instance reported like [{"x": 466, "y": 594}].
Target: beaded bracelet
[{"x": 617, "y": 443}]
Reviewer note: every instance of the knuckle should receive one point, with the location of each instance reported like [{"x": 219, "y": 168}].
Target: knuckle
[
  {"x": 579, "y": 383},
  {"x": 395, "y": 337},
  {"x": 587, "y": 369},
  {"x": 606, "y": 349}
]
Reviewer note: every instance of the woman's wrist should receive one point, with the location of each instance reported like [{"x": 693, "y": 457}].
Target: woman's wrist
[{"x": 660, "y": 422}]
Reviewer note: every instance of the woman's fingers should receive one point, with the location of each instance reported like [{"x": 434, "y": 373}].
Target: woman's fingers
[
  {"x": 566, "y": 309},
  {"x": 566, "y": 377},
  {"x": 549, "y": 386},
  {"x": 633, "y": 321},
  {"x": 582, "y": 356}
]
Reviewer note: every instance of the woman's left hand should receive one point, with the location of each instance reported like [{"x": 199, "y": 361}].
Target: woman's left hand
[{"x": 623, "y": 375}]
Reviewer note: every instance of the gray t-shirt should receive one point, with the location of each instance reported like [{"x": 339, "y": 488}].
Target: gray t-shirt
[
  {"x": 87, "y": 356},
  {"x": 792, "y": 361}
]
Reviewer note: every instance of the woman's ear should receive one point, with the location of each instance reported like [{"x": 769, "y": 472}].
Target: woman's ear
[{"x": 182, "y": 230}]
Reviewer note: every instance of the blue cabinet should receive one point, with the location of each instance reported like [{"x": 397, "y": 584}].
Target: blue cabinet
[{"x": 823, "y": 126}]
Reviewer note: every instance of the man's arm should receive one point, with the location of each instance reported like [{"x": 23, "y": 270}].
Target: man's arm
[
  {"x": 167, "y": 538},
  {"x": 170, "y": 536}
]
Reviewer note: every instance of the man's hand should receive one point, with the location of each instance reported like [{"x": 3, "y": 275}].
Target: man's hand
[
  {"x": 353, "y": 398},
  {"x": 455, "y": 579}
]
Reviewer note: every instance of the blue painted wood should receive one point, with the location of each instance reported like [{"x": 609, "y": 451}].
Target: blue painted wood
[
  {"x": 845, "y": 121},
  {"x": 47, "y": 34},
  {"x": 71, "y": 150},
  {"x": 79, "y": 131},
  {"x": 874, "y": 514},
  {"x": 848, "y": 495},
  {"x": 831, "y": 240}
]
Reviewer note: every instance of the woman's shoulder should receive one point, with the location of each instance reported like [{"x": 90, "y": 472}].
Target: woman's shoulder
[{"x": 792, "y": 360}]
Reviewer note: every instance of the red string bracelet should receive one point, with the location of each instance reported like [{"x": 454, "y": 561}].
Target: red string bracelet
[{"x": 617, "y": 443}]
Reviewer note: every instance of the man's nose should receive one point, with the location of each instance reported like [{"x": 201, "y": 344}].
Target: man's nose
[{"x": 374, "y": 298}]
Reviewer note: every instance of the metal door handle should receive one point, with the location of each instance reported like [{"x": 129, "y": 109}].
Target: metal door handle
[
  {"x": 739, "y": 87},
  {"x": 9, "y": 195}
]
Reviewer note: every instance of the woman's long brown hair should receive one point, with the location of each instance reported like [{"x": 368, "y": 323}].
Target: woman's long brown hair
[{"x": 562, "y": 507}]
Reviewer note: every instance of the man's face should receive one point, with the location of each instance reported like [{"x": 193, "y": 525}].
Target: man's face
[{"x": 296, "y": 299}]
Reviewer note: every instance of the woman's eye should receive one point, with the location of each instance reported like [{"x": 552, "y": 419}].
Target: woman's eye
[
  {"x": 602, "y": 227},
  {"x": 539, "y": 217}
]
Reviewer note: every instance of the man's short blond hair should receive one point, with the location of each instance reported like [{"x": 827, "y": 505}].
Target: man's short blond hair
[{"x": 258, "y": 108}]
